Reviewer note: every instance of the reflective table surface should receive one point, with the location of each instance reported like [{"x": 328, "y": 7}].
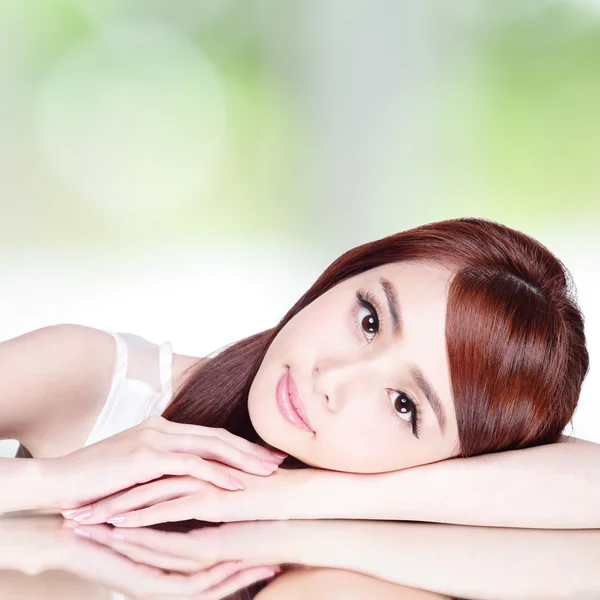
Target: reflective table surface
[{"x": 45, "y": 557}]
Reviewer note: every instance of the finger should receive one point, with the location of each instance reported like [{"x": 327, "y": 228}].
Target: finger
[
  {"x": 176, "y": 544},
  {"x": 142, "y": 580},
  {"x": 239, "y": 442},
  {"x": 116, "y": 571},
  {"x": 196, "y": 589},
  {"x": 215, "y": 448},
  {"x": 108, "y": 567},
  {"x": 142, "y": 497},
  {"x": 177, "y": 585},
  {"x": 247, "y": 446},
  {"x": 180, "y": 509},
  {"x": 238, "y": 581},
  {"x": 139, "y": 554},
  {"x": 166, "y": 488},
  {"x": 196, "y": 585},
  {"x": 188, "y": 464}
]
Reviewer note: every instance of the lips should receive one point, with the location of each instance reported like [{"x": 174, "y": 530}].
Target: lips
[
  {"x": 297, "y": 401},
  {"x": 292, "y": 411}
]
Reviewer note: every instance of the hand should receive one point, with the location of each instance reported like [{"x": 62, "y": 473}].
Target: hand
[
  {"x": 41, "y": 544},
  {"x": 154, "y": 448},
  {"x": 250, "y": 544},
  {"x": 153, "y": 579},
  {"x": 182, "y": 498}
]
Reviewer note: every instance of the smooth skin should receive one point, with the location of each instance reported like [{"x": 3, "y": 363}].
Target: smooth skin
[
  {"x": 354, "y": 375},
  {"x": 55, "y": 381},
  {"x": 345, "y": 368},
  {"x": 471, "y": 562},
  {"x": 46, "y": 560}
]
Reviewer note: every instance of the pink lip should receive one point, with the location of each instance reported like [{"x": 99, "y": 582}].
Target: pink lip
[{"x": 289, "y": 402}]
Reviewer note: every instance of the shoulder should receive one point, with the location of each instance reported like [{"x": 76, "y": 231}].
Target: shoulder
[
  {"x": 52, "y": 373},
  {"x": 64, "y": 353}
]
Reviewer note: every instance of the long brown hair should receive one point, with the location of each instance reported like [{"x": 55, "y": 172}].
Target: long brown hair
[
  {"x": 514, "y": 335},
  {"x": 514, "y": 338}
]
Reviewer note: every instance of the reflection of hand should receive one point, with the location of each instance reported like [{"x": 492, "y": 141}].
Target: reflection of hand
[
  {"x": 154, "y": 448},
  {"x": 256, "y": 542},
  {"x": 449, "y": 559},
  {"x": 250, "y": 543},
  {"x": 39, "y": 544},
  {"x": 183, "y": 498}
]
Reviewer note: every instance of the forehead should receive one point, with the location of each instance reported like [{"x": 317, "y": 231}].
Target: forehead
[
  {"x": 414, "y": 276},
  {"x": 421, "y": 289}
]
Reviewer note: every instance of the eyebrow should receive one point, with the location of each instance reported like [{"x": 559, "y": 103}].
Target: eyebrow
[{"x": 416, "y": 373}]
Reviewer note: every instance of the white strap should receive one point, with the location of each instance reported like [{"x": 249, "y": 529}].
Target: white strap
[
  {"x": 109, "y": 409},
  {"x": 165, "y": 365}
]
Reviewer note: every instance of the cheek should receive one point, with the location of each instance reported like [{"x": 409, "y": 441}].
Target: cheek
[
  {"x": 322, "y": 329},
  {"x": 359, "y": 445}
]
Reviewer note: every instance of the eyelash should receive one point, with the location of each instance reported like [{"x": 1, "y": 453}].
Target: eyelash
[{"x": 368, "y": 301}]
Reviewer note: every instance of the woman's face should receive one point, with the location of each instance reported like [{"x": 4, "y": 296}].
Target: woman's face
[{"x": 362, "y": 376}]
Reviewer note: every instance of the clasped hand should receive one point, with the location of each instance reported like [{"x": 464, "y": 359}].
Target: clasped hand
[
  {"x": 162, "y": 471},
  {"x": 210, "y": 563}
]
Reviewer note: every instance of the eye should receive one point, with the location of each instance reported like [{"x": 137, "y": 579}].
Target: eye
[
  {"x": 404, "y": 406},
  {"x": 367, "y": 315},
  {"x": 368, "y": 322}
]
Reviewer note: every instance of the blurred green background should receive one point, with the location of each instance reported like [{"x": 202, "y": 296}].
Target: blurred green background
[
  {"x": 127, "y": 121},
  {"x": 160, "y": 159}
]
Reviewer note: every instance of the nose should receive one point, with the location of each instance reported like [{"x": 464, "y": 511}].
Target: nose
[{"x": 342, "y": 381}]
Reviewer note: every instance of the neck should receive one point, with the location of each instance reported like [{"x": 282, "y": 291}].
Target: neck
[{"x": 183, "y": 367}]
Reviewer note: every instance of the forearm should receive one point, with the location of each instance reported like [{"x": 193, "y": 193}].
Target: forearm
[
  {"x": 556, "y": 486},
  {"x": 473, "y": 562},
  {"x": 24, "y": 485}
]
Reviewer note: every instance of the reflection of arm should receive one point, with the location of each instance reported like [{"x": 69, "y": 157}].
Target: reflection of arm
[
  {"x": 471, "y": 562},
  {"x": 335, "y": 584},
  {"x": 556, "y": 486},
  {"x": 29, "y": 547},
  {"x": 49, "y": 584}
]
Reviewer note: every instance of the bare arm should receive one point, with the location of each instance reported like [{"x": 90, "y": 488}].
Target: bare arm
[
  {"x": 52, "y": 380},
  {"x": 336, "y": 584},
  {"x": 23, "y": 485},
  {"x": 470, "y": 562},
  {"x": 556, "y": 486}
]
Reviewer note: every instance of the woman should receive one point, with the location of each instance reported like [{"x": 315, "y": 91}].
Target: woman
[{"x": 450, "y": 340}]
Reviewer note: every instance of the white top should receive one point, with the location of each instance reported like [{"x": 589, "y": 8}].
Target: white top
[{"x": 141, "y": 386}]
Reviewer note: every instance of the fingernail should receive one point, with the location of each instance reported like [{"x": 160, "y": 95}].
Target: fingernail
[
  {"x": 229, "y": 568},
  {"x": 69, "y": 514},
  {"x": 117, "y": 534},
  {"x": 267, "y": 573},
  {"x": 82, "y": 516},
  {"x": 115, "y": 519},
  {"x": 270, "y": 466},
  {"x": 238, "y": 484},
  {"x": 81, "y": 532},
  {"x": 278, "y": 454}
]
